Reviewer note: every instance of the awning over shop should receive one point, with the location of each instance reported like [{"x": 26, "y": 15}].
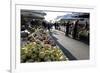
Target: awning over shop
[{"x": 35, "y": 14}]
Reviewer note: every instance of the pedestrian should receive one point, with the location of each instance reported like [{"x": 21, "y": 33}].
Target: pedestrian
[
  {"x": 49, "y": 26},
  {"x": 55, "y": 25},
  {"x": 75, "y": 29},
  {"x": 44, "y": 24},
  {"x": 67, "y": 28}
]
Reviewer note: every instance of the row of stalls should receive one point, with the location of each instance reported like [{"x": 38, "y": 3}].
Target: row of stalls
[
  {"x": 36, "y": 43},
  {"x": 83, "y": 28}
]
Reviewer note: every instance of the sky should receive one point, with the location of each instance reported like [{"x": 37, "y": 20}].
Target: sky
[{"x": 53, "y": 15}]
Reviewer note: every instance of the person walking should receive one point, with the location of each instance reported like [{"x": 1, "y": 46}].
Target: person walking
[
  {"x": 49, "y": 26},
  {"x": 55, "y": 25},
  {"x": 67, "y": 28},
  {"x": 75, "y": 29},
  {"x": 44, "y": 24}
]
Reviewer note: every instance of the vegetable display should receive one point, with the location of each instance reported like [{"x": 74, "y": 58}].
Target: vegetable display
[{"x": 40, "y": 47}]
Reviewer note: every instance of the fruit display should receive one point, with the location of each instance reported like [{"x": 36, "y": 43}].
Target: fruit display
[{"x": 40, "y": 47}]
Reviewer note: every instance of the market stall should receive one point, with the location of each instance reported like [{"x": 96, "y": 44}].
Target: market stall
[{"x": 40, "y": 47}]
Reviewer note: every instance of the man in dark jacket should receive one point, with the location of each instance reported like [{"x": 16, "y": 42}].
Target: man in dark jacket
[
  {"x": 75, "y": 29},
  {"x": 67, "y": 28}
]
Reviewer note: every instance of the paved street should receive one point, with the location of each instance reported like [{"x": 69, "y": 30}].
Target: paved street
[{"x": 77, "y": 49}]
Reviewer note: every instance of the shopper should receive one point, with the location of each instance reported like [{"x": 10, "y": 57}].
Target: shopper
[
  {"x": 55, "y": 25},
  {"x": 75, "y": 29},
  {"x": 49, "y": 26},
  {"x": 44, "y": 24},
  {"x": 67, "y": 28}
]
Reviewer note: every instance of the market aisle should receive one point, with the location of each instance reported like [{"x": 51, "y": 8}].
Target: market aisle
[{"x": 78, "y": 49}]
